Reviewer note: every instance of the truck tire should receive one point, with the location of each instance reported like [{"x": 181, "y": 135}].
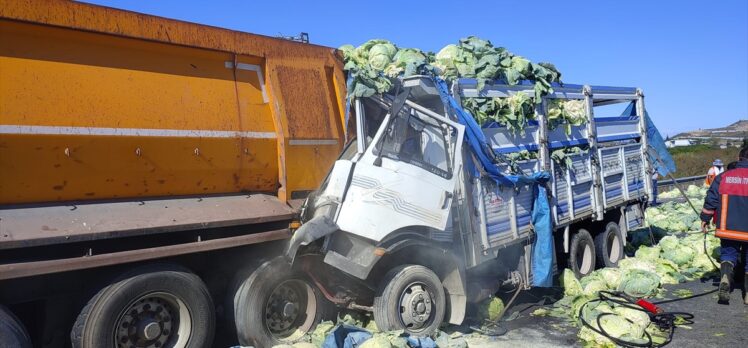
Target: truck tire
[
  {"x": 12, "y": 332},
  {"x": 153, "y": 306},
  {"x": 276, "y": 305},
  {"x": 582, "y": 253},
  {"x": 410, "y": 298},
  {"x": 609, "y": 246}
]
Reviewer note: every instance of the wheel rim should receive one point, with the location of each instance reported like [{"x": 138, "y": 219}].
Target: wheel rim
[
  {"x": 584, "y": 259},
  {"x": 416, "y": 307},
  {"x": 287, "y": 308},
  {"x": 154, "y": 320},
  {"x": 614, "y": 247}
]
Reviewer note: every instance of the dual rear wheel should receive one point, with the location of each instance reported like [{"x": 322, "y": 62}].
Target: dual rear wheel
[
  {"x": 166, "y": 306},
  {"x": 151, "y": 307},
  {"x": 604, "y": 250}
]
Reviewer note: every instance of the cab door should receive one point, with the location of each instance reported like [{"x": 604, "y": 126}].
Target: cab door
[{"x": 406, "y": 177}]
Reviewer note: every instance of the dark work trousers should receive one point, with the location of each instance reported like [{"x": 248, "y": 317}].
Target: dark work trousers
[{"x": 731, "y": 249}]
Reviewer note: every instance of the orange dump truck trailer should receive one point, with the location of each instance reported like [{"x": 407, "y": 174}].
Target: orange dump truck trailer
[{"x": 149, "y": 172}]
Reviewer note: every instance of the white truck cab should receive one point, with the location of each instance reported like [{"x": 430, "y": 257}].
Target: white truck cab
[{"x": 408, "y": 212}]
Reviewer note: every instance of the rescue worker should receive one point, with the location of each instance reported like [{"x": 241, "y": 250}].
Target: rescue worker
[
  {"x": 727, "y": 203},
  {"x": 712, "y": 173}
]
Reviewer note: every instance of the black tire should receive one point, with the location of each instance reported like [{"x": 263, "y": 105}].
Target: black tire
[
  {"x": 609, "y": 246},
  {"x": 12, "y": 332},
  {"x": 403, "y": 284},
  {"x": 582, "y": 253},
  {"x": 239, "y": 278},
  {"x": 259, "y": 318},
  {"x": 161, "y": 300}
]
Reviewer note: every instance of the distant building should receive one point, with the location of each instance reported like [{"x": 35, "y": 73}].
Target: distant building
[{"x": 678, "y": 142}]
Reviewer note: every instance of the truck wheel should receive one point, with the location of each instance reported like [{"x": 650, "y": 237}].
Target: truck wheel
[
  {"x": 609, "y": 246},
  {"x": 153, "y": 306},
  {"x": 410, "y": 298},
  {"x": 276, "y": 305},
  {"x": 12, "y": 332},
  {"x": 582, "y": 253}
]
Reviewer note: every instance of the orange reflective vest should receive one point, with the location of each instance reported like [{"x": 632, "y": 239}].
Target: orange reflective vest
[
  {"x": 732, "y": 213},
  {"x": 710, "y": 175}
]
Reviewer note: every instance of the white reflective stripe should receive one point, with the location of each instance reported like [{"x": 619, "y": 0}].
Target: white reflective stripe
[
  {"x": 313, "y": 142},
  {"x": 255, "y": 68},
  {"x": 135, "y": 132}
]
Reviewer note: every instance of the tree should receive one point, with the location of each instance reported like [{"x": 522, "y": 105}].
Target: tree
[{"x": 745, "y": 143}]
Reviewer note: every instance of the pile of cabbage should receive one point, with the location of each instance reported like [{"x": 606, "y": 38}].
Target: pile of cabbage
[
  {"x": 676, "y": 258},
  {"x": 674, "y": 216},
  {"x": 373, "y": 66},
  {"x": 693, "y": 191}
]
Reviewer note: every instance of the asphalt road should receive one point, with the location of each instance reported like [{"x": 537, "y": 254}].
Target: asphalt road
[{"x": 715, "y": 325}]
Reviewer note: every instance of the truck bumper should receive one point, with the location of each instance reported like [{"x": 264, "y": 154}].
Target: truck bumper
[
  {"x": 351, "y": 254},
  {"x": 318, "y": 227}
]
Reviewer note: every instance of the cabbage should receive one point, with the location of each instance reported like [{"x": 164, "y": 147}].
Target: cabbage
[
  {"x": 594, "y": 339},
  {"x": 577, "y": 302},
  {"x": 406, "y": 62},
  {"x": 702, "y": 262},
  {"x": 668, "y": 272},
  {"x": 612, "y": 277},
  {"x": 640, "y": 318},
  {"x": 566, "y": 112},
  {"x": 571, "y": 284},
  {"x": 636, "y": 264},
  {"x": 668, "y": 243},
  {"x": 680, "y": 254},
  {"x": 491, "y": 309},
  {"x": 648, "y": 253},
  {"x": 673, "y": 260},
  {"x": 595, "y": 286},
  {"x": 445, "y": 60},
  {"x": 377, "y": 342},
  {"x": 320, "y": 332},
  {"x": 302, "y": 345},
  {"x": 381, "y": 54},
  {"x": 391, "y": 339},
  {"x": 511, "y": 112},
  {"x": 639, "y": 283},
  {"x": 371, "y": 66},
  {"x": 693, "y": 191},
  {"x": 614, "y": 325},
  {"x": 618, "y": 326}
]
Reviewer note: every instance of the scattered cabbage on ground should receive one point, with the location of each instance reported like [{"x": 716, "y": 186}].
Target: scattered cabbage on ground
[{"x": 679, "y": 255}]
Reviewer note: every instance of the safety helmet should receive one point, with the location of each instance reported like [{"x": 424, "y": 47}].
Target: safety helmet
[{"x": 717, "y": 162}]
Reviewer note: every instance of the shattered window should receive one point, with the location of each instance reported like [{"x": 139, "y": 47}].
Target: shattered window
[{"x": 421, "y": 141}]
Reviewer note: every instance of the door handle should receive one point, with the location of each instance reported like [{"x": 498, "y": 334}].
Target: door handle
[{"x": 447, "y": 199}]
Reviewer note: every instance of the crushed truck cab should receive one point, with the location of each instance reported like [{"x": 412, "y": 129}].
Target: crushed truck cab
[{"x": 417, "y": 207}]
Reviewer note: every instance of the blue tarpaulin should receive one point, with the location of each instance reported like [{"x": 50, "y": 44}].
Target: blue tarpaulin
[
  {"x": 347, "y": 336},
  {"x": 542, "y": 251},
  {"x": 656, "y": 144},
  {"x": 542, "y": 260}
]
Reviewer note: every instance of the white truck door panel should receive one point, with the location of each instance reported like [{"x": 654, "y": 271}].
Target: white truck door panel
[{"x": 404, "y": 192}]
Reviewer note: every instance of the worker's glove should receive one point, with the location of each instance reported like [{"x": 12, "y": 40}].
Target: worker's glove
[{"x": 704, "y": 226}]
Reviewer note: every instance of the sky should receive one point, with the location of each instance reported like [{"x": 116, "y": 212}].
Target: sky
[{"x": 689, "y": 57}]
